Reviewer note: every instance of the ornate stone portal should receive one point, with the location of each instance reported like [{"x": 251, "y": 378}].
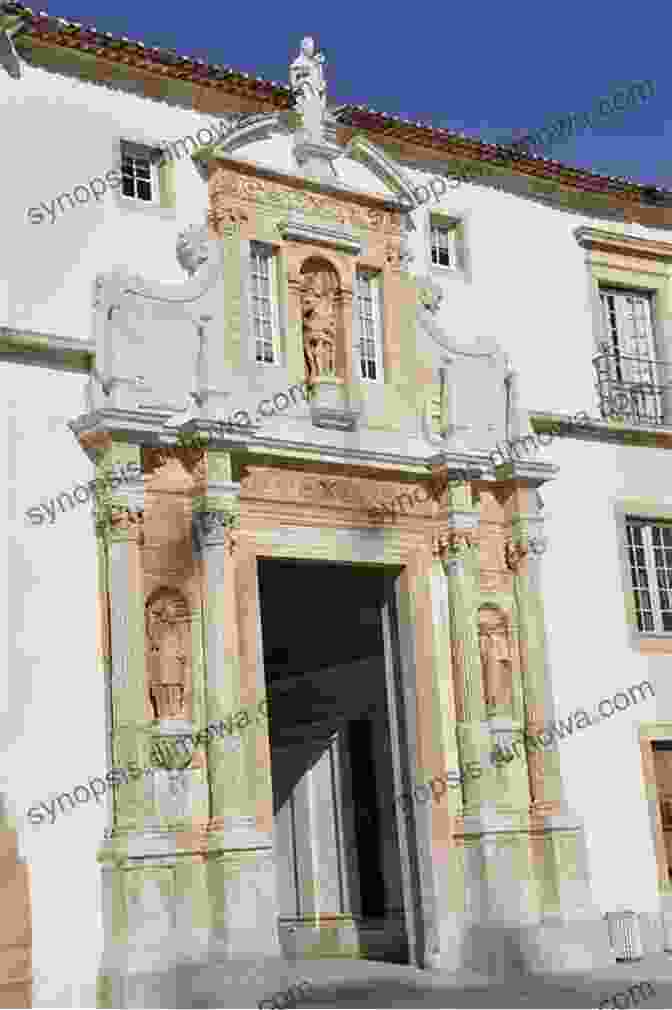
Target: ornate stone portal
[{"x": 458, "y": 649}]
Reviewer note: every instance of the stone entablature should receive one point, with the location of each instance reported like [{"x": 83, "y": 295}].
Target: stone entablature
[{"x": 255, "y": 185}]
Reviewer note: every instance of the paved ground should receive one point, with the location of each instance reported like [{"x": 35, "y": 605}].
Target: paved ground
[{"x": 345, "y": 983}]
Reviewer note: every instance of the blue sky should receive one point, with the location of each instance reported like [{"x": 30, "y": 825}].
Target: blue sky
[{"x": 485, "y": 71}]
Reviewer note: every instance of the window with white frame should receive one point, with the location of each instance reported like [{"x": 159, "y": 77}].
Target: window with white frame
[
  {"x": 649, "y": 550},
  {"x": 368, "y": 311},
  {"x": 139, "y": 178},
  {"x": 628, "y": 371},
  {"x": 444, "y": 243},
  {"x": 264, "y": 303}
]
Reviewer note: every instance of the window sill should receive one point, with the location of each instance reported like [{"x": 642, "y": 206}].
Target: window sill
[
  {"x": 439, "y": 271},
  {"x": 653, "y": 643},
  {"x": 146, "y": 207}
]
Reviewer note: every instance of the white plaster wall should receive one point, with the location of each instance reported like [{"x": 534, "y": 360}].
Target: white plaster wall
[
  {"x": 530, "y": 289},
  {"x": 58, "y": 133},
  {"x": 592, "y": 659},
  {"x": 53, "y": 717}
]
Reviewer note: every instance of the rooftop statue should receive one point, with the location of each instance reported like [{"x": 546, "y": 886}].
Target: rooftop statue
[{"x": 306, "y": 78}]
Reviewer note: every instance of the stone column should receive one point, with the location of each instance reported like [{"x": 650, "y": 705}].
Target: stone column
[
  {"x": 523, "y": 552},
  {"x": 241, "y": 878},
  {"x": 457, "y": 548},
  {"x": 120, "y": 521},
  {"x": 215, "y": 521}
]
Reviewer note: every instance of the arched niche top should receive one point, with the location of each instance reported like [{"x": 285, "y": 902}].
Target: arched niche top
[{"x": 321, "y": 266}]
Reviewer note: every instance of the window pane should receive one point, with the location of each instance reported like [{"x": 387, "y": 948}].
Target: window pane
[
  {"x": 262, "y": 305},
  {"x": 369, "y": 339}
]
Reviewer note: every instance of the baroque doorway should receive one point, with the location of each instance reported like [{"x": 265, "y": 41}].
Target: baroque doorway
[{"x": 333, "y": 758}]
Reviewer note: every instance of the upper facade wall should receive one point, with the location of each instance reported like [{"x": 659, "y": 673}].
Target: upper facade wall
[
  {"x": 60, "y": 133},
  {"x": 522, "y": 280}
]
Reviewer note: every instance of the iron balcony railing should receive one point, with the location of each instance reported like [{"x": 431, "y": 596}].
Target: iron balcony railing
[{"x": 635, "y": 389}]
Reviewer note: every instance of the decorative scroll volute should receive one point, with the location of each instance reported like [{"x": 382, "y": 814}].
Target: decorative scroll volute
[{"x": 168, "y": 645}]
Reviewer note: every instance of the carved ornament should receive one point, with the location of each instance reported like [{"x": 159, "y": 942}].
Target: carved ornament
[
  {"x": 515, "y": 553},
  {"x": 455, "y": 543},
  {"x": 300, "y": 488},
  {"x": 192, "y": 249},
  {"x": 285, "y": 199},
  {"x": 121, "y": 522},
  {"x": 216, "y": 527},
  {"x": 226, "y": 219}
]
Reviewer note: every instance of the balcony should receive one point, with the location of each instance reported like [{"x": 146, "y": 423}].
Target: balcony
[{"x": 637, "y": 390}]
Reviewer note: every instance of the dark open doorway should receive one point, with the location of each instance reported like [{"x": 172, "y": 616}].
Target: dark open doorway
[{"x": 340, "y": 881}]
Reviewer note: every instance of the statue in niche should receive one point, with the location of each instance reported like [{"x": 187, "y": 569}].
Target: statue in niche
[
  {"x": 169, "y": 646},
  {"x": 495, "y": 649},
  {"x": 319, "y": 326},
  {"x": 306, "y": 78}
]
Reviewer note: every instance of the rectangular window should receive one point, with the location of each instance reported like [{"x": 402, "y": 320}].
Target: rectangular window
[
  {"x": 264, "y": 303},
  {"x": 368, "y": 311},
  {"x": 138, "y": 172},
  {"x": 628, "y": 371},
  {"x": 443, "y": 241},
  {"x": 649, "y": 550}
]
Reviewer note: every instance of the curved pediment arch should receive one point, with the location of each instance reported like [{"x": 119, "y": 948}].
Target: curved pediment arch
[{"x": 361, "y": 149}]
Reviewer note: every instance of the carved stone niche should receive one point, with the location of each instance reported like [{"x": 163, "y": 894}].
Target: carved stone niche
[
  {"x": 494, "y": 639},
  {"x": 324, "y": 335},
  {"x": 168, "y": 645}
]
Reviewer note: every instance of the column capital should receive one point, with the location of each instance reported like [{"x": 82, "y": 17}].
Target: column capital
[
  {"x": 215, "y": 528},
  {"x": 123, "y": 523},
  {"x": 454, "y": 543},
  {"x": 516, "y": 553}
]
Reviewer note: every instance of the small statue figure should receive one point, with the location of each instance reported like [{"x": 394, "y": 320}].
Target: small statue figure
[
  {"x": 166, "y": 623},
  {"x": 319, "y": 329},
  {"x": 493, "y": 640},
  {"x": 306, "y": 78}
]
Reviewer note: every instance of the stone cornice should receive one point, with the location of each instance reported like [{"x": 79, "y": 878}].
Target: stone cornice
[
  {"x": 33, "y": 348},
  {"x": 599, "y": 430},
  {"x": 304, "y": 231},
  {"x": 624, "y": 245}
]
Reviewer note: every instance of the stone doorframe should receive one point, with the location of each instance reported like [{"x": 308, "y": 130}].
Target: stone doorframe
[{"x": 403, "y": 672}]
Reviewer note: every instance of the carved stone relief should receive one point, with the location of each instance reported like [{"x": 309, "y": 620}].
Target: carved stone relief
[
  {"x": 168, "y": 642},
  {"x": 285, "y": 198},
  {"x": 515, "y": 553}
]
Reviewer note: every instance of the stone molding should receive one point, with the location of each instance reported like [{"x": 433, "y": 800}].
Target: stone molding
[{"x": 296, "y": 230}]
